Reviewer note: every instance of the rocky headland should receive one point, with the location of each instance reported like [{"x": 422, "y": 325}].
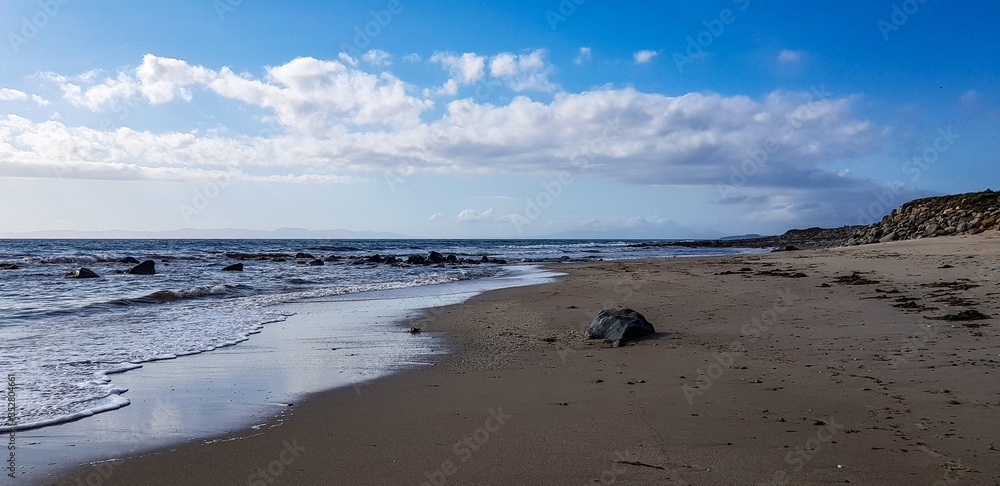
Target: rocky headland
[{"x": 959, "y": 214}]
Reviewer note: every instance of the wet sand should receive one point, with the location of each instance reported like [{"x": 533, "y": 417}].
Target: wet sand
[{"x": 790, "y": 368}]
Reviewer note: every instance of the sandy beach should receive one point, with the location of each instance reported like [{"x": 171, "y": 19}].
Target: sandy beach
[{"x": 840, "y": 365}]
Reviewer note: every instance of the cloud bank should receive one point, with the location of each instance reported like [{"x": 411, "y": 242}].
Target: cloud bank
[{"x": 335, "y": 122}]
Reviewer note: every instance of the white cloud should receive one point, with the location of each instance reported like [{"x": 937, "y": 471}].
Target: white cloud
[
  {"x": 8, "y": 94},
  {"x": 464, "y": 69},
  {"x": 342, "y": 124},
  {"x": 412, "y": 57},
  {"x": 583, "y": 56},
  {"x": 643, "y": 57},
  {"x": 435, "y": 217},
  {"x": 789, "y": 56},
  {"x": 518, "y": 72},
  {"x": 51, "y": 149},
  {"x": 624, "y": 134},
  {"x": 524, "y": 72},
  {"x": 305, "y": 93},
  {"x": 473, "y": 216},
  {"x": 159, "y": 80},
  {"x": 377, "y": 57},
  {"x": 347, "y": 59}
]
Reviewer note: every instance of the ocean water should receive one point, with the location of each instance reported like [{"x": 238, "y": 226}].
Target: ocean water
[{"x": 65, "y": 339}]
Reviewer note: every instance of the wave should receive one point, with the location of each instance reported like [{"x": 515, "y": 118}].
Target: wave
[
  {"x": 90, "y": 259},
  {"x": 116, "y": 402},
  {"x": 108, "y": 397},
  {"x": 433, "y": 279},
  {"x": 63, "y": 259},
  {"x": 165, "y": 296}
]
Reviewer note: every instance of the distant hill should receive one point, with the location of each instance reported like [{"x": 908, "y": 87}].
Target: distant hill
[
  {"x": 221, "y": 234},
  {"x": 618, "y": 234},
  {"x": 741, "y": 237}
]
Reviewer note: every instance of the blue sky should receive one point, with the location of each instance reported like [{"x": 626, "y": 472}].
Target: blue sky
[{"x": 474, "y": 119}]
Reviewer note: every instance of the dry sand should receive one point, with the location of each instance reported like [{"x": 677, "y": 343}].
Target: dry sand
[{"x": 756, "y": 377}]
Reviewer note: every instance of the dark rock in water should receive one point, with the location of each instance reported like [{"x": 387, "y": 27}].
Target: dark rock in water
[
  {"x": 147, "y": 267},
  {"x": 130, "y": 260},
  {"x": 416, "y": 260},
  {"x": 316, "y": 263},
  {"x": 619, "y": 325},
  {"x": 435, "y": 257},
  {"x": 82, "y": 272},
  {"x": 236, "y": 267},
  {"x": 390, "y": 260},
  {"x": 304, "y": 256},
  {"x": 8, "y": 266},
  {"x": 487, "y": 259},
  {"x": 376, "y": 258},
  {"x": 332, "y": 258},
  {"x": 415, "y": 330},
  {"x": 451, "y": 259}
]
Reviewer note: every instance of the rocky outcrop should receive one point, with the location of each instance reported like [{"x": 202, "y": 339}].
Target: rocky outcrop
[
  {"x": 147, "y": 267},
  {"x": 316, "y": 263},
  {"x": 961, "y": 214},
  {"x": 236, "y": 267},
  {"x": 619, "y": 326},
  {"x": 8, "y": 266},
  {"x": 791, "y": 240},
  {"x": 82, "y": 272}
]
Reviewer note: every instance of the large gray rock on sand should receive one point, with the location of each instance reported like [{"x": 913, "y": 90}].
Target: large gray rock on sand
[
  {"x": 147, "y": 267},
  {"x": 619, "y": 325},
  {"x": 887, "y": 238}
]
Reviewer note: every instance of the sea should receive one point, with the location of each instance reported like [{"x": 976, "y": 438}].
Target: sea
[{"x": 64, "y": 340}]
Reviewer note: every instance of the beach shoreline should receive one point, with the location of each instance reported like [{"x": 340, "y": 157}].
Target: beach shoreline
[
  {"x": 756, "y": 374},
  {"x": 324, "y": 343}
]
